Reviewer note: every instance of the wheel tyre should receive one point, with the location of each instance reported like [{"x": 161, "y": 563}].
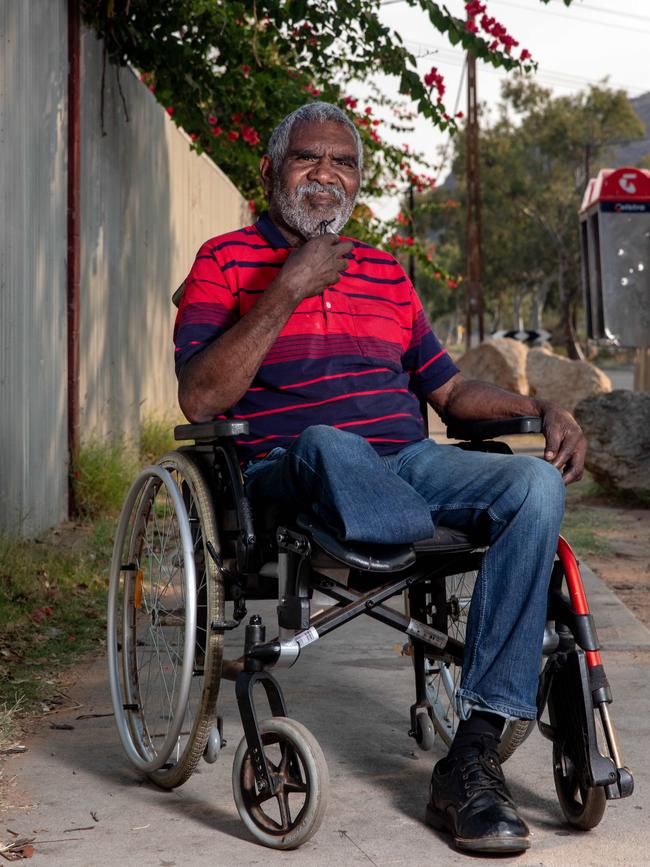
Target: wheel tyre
[
  {"x": 179, "y": 483},
  {"x": 425, "y": 733},
  {"x": 586, "y": 812},
  {"x": 514, "y": 734},
  {"x": 205, "y": 713},
  {"x": 300, "y": 749}
]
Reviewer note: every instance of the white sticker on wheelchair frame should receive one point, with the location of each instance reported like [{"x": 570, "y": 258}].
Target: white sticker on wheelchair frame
[
  {"x": 306, "y": 637},
  {"x": 421, "y": 630}
]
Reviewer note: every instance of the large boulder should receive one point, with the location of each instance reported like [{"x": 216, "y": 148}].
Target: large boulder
[
  {"x": 617, "y": 427},
  {"x": 565, "y": 382},
  {"x": 500, "y": 361}
]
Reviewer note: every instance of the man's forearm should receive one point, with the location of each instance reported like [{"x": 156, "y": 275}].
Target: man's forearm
[
  {"x": 216, "y": 378},
  {"x": 471, "y": 400}
]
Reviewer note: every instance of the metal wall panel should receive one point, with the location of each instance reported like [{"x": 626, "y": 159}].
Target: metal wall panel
[
  {"x": 147, "y": 203},
  {"x": 33, "y": 134}
]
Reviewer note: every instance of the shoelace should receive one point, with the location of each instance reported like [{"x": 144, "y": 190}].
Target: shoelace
[{"x": 481, "y": 772}]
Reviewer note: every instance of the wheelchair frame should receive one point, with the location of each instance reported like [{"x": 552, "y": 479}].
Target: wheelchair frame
[{"x": 299, "y": 559}]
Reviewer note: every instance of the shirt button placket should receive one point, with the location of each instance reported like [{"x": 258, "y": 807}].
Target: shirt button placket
[{"x": 327, "y": 306}]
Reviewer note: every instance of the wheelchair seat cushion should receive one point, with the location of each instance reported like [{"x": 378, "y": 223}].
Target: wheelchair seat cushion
[{"x": 385, "y": 558}]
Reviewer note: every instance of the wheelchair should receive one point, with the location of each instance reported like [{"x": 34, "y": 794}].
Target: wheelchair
[{"x": 190, "y": 559}]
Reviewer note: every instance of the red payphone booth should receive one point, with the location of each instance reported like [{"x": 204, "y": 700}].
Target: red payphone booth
[{"x": 615, "y": 247}]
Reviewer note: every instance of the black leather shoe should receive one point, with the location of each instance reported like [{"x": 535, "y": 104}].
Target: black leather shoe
[{"x": 470, "y": 800}]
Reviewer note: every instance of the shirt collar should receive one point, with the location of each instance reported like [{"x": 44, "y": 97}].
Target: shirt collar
[{"x": 270, "y": 232}]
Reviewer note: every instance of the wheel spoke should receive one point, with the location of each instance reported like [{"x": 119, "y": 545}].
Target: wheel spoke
[
  {"x": 296, "y": 785},
  {"x": 285, "y": 814}
]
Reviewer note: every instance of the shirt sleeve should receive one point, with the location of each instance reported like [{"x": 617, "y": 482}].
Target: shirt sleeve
[
  {"x": 207, "y": 309},
  {"x": 426, "y": 360}
]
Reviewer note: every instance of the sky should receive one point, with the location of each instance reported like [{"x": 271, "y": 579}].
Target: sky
[{"x": 575, "y": 46}]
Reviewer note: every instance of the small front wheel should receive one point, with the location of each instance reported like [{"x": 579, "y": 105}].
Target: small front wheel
[
  {"x": 295, "y": 810},
  {"x": 583, "y": 806},
  {"x": 425, "y": 733}
]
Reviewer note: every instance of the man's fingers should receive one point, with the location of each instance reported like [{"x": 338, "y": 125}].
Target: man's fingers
[
  {"x": 553, "y": 441},
  {"x": 565, "y": 449},
  {"x": 571, "y": 474}
]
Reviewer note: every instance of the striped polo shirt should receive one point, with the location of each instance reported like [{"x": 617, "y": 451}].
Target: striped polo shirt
[{"x": 360, "y": 356}]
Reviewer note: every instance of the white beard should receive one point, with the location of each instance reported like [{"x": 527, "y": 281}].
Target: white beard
[{"x": 306, "y": 220}]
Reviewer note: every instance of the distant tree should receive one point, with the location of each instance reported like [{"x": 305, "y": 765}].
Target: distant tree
[{"x": 536, "y": 158}]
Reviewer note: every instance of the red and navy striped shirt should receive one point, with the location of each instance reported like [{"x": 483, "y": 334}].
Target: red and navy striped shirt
[{"x": 360, "y": 356}]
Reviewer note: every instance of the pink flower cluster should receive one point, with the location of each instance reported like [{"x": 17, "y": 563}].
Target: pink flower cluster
[
  {"x": 250, "y": 135},
  {"x": 501, "y": 39},
  {"x": 364, "y": 119},
  {"x": 419, "y": 182},
  {"x": 434, "y": 78},
  {"x": 401, "y": 241}
]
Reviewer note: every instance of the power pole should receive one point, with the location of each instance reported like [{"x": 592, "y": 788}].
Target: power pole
[
  {"x": 411, "y": 259},
  {"x": 474, "y": 298}
]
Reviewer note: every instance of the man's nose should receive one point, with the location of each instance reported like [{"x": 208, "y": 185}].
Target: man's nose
[{"x": 323, "y": 172}]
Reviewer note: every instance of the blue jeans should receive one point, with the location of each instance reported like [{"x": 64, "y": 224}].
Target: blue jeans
[{"x": 515, "y": 501}]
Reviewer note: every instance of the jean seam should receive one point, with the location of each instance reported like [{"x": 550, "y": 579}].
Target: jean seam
[
  {"x": 302, "y": 461},
  {"x": 515, "y": 711},
  {"x": 452, "y": 507},
  {"x": 482, "y": 577}
]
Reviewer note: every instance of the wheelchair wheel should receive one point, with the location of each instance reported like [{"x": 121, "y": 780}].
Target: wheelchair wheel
[
  {"x": 290, "y": 817},
  {"x": 443, "y": 678},
  {"x": 583, "y": 806},
  {"x": 165, "y": 590}
]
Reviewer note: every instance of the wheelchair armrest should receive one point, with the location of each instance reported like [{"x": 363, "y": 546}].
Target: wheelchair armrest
[
  {"x": 208, "y": 431},
  {"x": 487, "y": 429}
]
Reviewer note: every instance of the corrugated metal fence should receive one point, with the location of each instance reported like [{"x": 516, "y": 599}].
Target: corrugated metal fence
[{"x": 147, "y": 203}]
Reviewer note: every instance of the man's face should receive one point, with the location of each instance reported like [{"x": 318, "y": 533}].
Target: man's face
[{"x": 318, "y": 180}]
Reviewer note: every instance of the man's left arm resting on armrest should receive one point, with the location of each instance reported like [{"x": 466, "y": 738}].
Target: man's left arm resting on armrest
[{"x": 471, "y": 400}]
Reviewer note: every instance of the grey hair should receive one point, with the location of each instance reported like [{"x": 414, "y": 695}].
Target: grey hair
[{"x": 312, "y": 112}]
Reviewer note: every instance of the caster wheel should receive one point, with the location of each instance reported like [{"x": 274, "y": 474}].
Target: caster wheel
[
  {"x": 290, "y": 816},
  {"x": 425, "y": 733},
  {"x": 583, "y": 806},
  {"x": 213, "y": 746}
]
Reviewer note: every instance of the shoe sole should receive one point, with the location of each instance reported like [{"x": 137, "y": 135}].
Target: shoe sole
[{"x": 440, "y": 822}]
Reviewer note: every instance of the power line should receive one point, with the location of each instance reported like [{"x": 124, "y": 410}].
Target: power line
[
  {"x": 582, "y": 19},
  {"x": 553, "y": 77},
  {"x": 615, "y": 12}
]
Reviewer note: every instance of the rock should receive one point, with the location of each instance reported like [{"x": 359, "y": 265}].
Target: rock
[
  {"x": 617, "y": 427},
  {"x": 565, "y": 382},
  {"x": 501, "y": 361}
]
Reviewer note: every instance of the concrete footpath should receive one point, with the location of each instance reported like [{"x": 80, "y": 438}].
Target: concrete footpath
[{"x": 353, "y": 691}]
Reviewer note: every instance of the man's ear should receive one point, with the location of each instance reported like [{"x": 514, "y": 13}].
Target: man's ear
[{"x": 266, "y": 174}]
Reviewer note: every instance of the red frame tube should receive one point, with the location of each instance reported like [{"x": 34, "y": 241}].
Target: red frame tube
[{"x": 576, "y": 590}]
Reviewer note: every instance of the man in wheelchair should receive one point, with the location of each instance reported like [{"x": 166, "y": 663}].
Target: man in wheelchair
[{"x": 321, "y": 344}]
